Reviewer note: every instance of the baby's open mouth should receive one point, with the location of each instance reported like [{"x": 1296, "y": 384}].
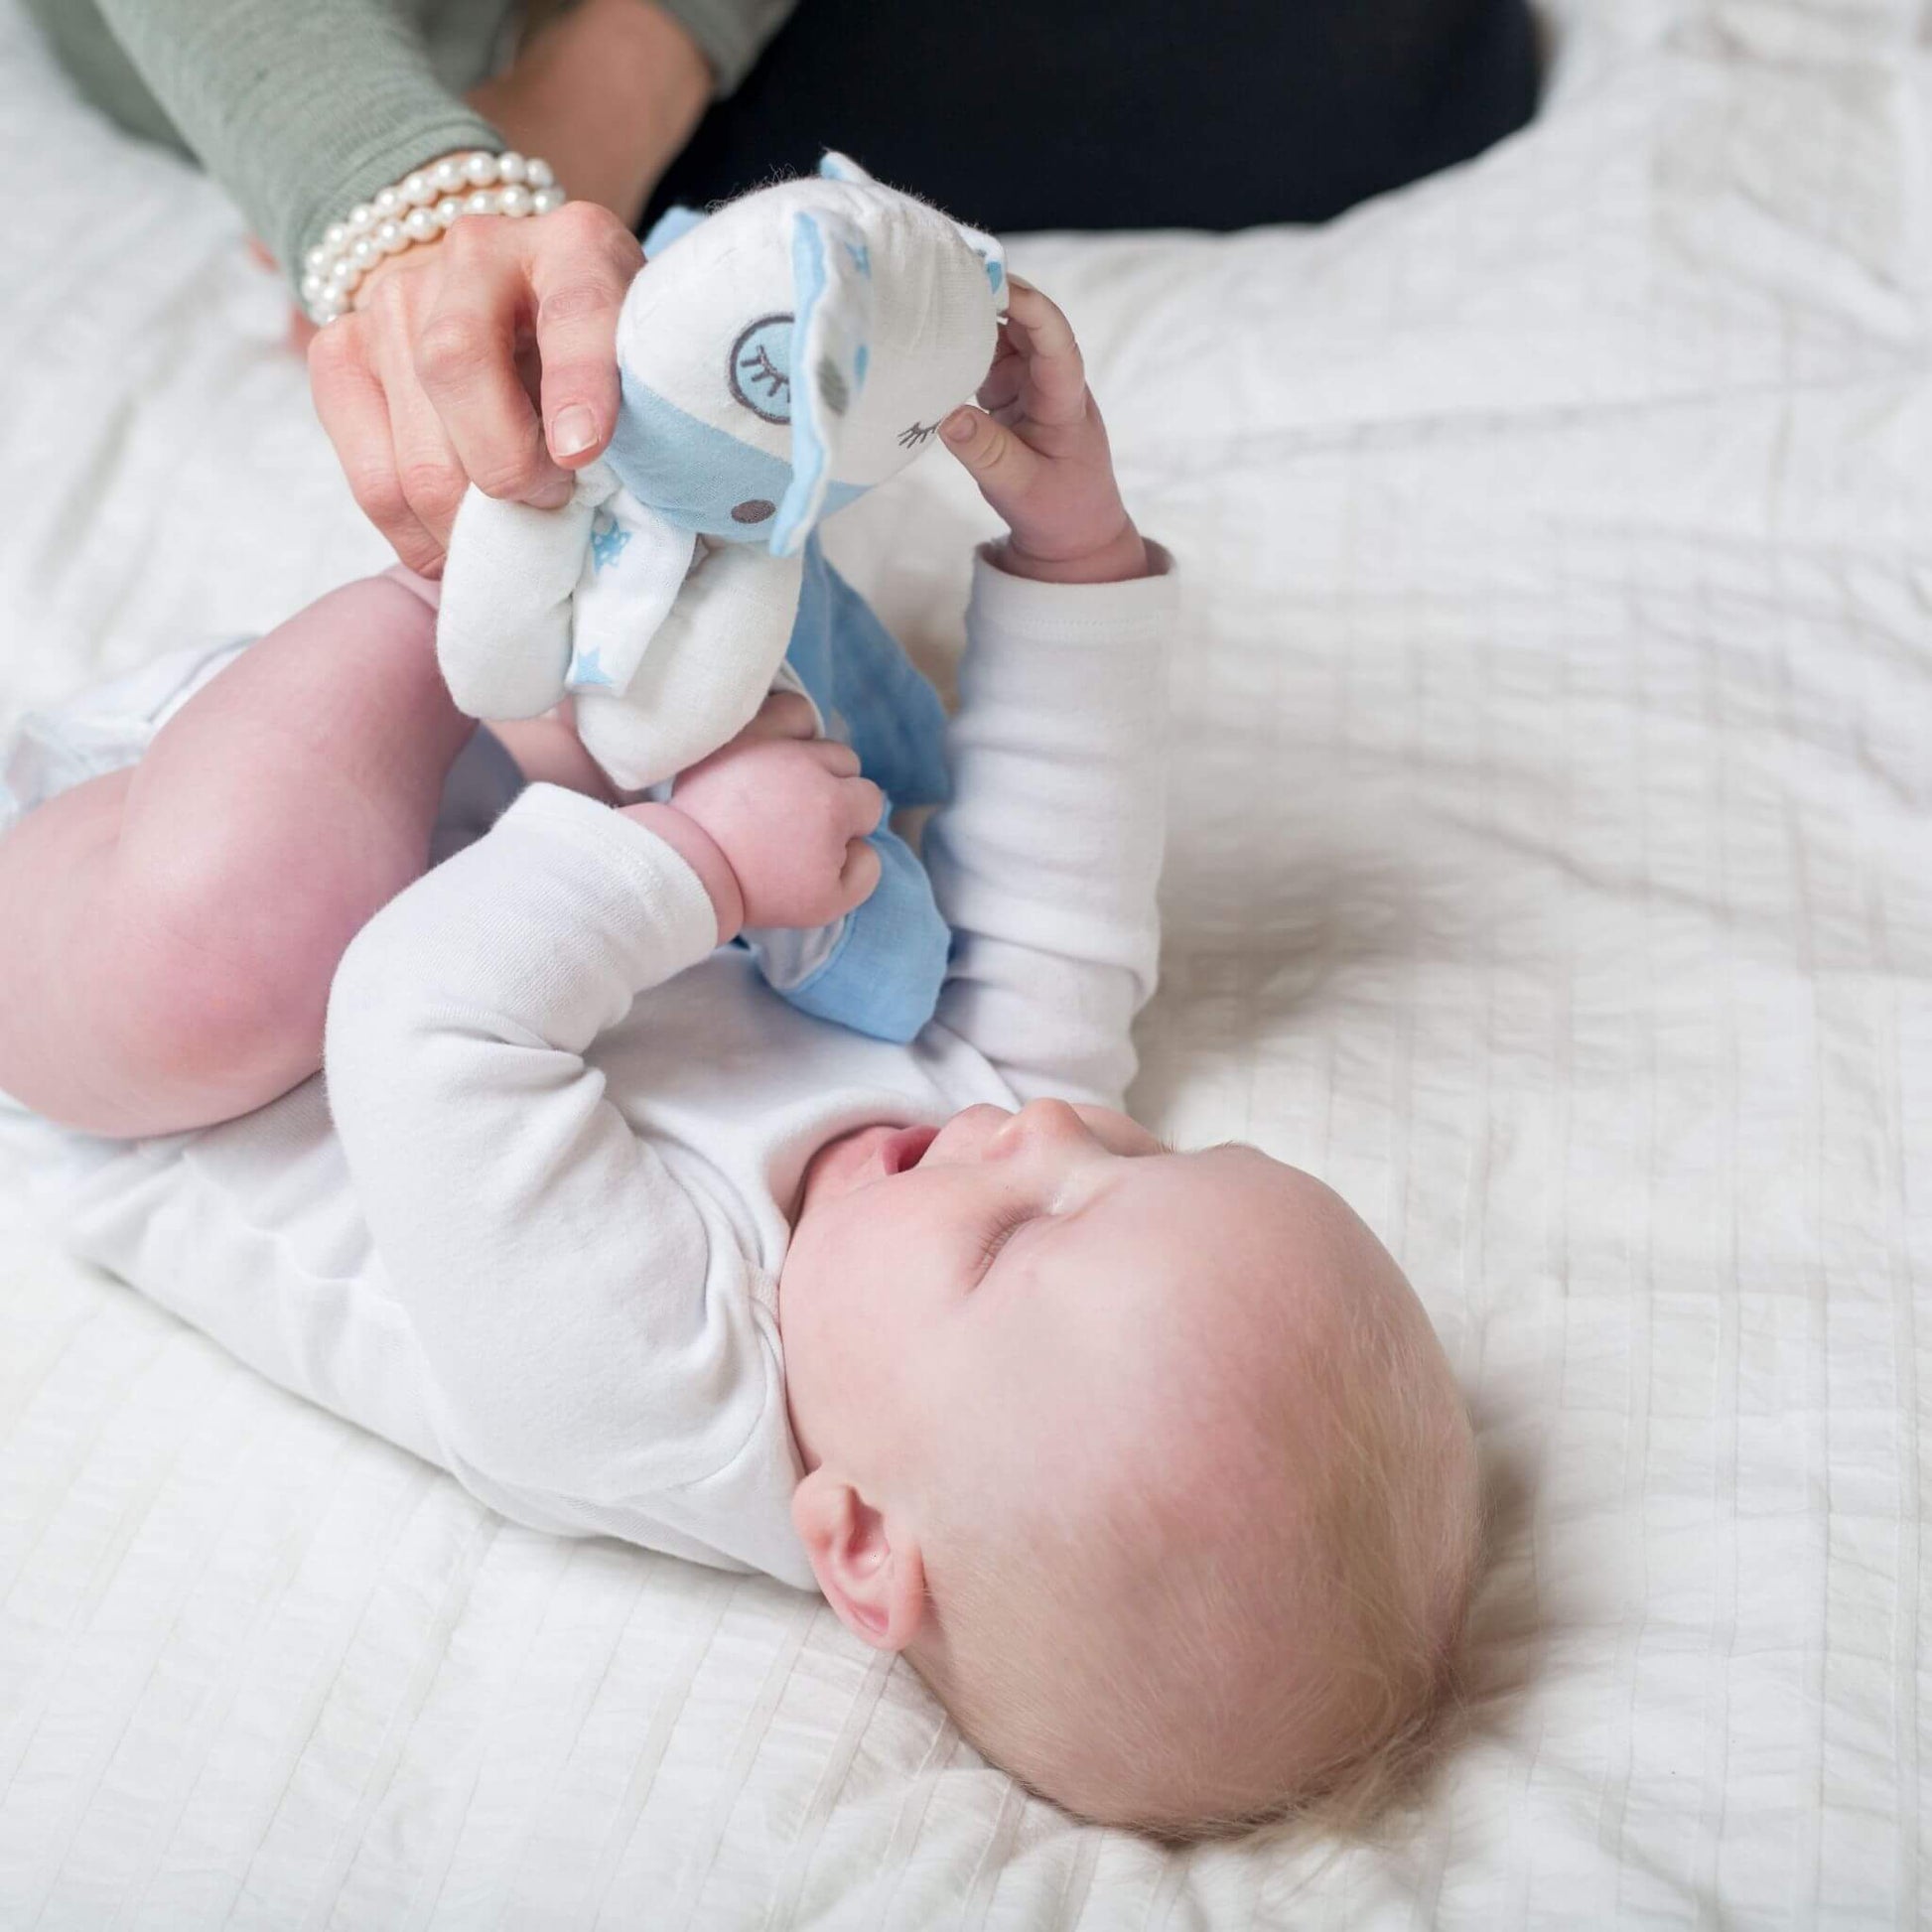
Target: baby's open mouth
[{"x": 905, "y": 1148}]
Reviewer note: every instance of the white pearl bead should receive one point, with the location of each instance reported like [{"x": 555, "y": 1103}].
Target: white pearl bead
[
  {"x": 362, "y": 218},
  {"x": 311, "y": 287},
  {"x": 349, "y": 273},
  {"x": 513, "y": 199},
  {"x": 316, "y": 261},
  {"x": 446, "y": 175},
  {"x": 419, "y": 191},
  {"x": 340, "y": 281},
  {"x": 419, "y": 225},
  {"x": 447, "y": 211},
  {"x": 481, "y": 170},
  {"x": 364, "y": 253},
  {"x": 510, "y": 167},
  {"x": 335, "y": 237},
  {"x": 546, "y": 199},
  {"x": 537, "y": 172},
  {"x": 390, "y": 239},
  {"x": 388, "y": 202},
  {"x": 483, "y": 202}
]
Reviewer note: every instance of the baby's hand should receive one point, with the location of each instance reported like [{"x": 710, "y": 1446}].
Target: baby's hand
[
  {"x": 789, "y": 814},
  {"x": 1040, "y": 454}
]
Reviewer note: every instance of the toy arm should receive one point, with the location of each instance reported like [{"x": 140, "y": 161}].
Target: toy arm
[
  {"x": 503, "y": 631},
  {"x": 706, "y": 673}
]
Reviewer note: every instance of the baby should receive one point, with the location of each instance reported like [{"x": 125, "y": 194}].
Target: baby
[{"x": 1149, "y": 1461}]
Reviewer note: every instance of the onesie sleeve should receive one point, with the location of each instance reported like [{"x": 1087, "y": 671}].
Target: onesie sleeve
[
  {"x": 1047, "y": 861},
  {"x": 584, "y": 1311}
]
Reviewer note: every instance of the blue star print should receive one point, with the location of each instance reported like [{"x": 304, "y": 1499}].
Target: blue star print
[
  {"x": 585, "y": 673},
  {"x": 608, "y": 538}
]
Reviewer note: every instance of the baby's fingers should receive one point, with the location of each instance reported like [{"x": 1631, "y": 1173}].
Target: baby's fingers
[
  {"x": 860, "y": 877},
  {"x": 784, "y": 714},
  {"x": 1054, "y": 366},
  {"x": 997, "y": 460},
  {"x": 865, "y": 805}
]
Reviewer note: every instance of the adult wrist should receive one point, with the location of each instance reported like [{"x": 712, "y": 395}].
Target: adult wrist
[
  {"x": 418, "y": 209},
  {"x": 609, "y": 91},
  {"x": 703, "y": 854}
]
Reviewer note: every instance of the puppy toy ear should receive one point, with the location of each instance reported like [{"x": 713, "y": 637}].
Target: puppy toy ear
[
  {"x": 834, "y": 166},
  {"x": 831, "y": 333},
  {"x": 672, "y": 225},
  {"x": 993, "y": 258}
]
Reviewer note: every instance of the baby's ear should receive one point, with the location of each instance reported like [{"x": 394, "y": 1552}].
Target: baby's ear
[
  {"x": 831, "y": 346},
  {"x": 873, "y": 1577}
]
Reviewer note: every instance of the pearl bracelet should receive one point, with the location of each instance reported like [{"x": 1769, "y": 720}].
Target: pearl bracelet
[{"x": 422, "y": 206}]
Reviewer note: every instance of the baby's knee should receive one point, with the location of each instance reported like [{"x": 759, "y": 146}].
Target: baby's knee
[{"x": 389, "y": 620}]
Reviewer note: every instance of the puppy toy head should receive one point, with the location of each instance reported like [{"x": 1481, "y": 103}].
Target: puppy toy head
[{"x": 794, "y": 349}]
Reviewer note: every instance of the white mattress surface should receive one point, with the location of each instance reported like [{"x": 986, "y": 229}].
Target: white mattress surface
[{"x": 1550, "y": 870}]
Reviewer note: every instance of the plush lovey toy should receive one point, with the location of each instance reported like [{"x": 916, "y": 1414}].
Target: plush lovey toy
[{"x": 779, "y": 358}]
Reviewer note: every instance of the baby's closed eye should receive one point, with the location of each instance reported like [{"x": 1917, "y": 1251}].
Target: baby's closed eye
[{"x": 999, "y": 1231}]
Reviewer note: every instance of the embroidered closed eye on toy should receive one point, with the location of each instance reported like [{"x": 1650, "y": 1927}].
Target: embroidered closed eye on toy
[{"x": 778, "y": 359}]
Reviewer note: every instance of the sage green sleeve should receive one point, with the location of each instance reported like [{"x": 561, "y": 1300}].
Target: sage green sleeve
[
  {"x": 299, "y": 108},
  {"x": 730, "y": 34}
]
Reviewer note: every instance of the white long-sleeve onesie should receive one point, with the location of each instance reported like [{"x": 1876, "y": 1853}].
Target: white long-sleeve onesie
[{"x": 533, "y": 1231}]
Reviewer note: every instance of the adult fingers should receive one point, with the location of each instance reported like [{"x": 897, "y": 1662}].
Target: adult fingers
[
  {"x": 354, "y": 415},
  {"x": 463, "y": 354},
  {"x": 430, "y": 472},
  {"x": 581, "y": 264}
]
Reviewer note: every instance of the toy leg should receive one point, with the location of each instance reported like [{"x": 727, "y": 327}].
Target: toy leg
[
  {"x": 883, "y": 977},
  {"x": 187, "y": 915},
  {"x": 705, "y": 673}
]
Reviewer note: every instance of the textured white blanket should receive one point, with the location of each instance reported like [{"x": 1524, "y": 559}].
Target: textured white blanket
[{"x": 1551, "y": 871}]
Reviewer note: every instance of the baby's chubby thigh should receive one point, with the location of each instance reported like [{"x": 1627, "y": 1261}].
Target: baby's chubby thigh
[{"x": 194, "y": 906}]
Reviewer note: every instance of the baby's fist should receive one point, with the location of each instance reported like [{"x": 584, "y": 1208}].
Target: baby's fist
[{"x": 790, "y": 814}]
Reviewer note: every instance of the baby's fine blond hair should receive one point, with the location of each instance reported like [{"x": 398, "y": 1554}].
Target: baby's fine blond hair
[{"x": 1265, "y": 1614}]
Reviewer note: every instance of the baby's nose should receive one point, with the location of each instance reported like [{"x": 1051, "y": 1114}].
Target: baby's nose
[{"x": 1047, "y": 1121}]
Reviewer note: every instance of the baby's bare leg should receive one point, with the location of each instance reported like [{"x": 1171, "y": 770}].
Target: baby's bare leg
[{"x": 183, "y": 919}]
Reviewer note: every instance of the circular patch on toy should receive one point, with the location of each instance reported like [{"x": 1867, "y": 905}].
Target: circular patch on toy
[
  {"x": 759, "y": 372},
  {"x": 753, "y": 509}
]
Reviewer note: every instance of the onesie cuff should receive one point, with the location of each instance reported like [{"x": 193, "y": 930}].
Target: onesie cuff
[
  {"x": 1022, "y": 604},
  {"x": 668, "y": 897}
]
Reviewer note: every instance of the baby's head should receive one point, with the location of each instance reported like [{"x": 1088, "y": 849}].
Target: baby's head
[{"x": 1149, "y": 1462}]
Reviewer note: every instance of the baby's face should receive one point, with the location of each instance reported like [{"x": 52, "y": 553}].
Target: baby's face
[
  {"x": 1079, "y": 1412},
  {"x": 949, "y": 1295}
]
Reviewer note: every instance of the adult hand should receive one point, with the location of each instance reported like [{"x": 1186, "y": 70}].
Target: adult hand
[{"x": 486, "y": 358}]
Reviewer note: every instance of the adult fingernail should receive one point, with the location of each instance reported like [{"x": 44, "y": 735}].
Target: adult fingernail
[{"x": 574, "y": 431}]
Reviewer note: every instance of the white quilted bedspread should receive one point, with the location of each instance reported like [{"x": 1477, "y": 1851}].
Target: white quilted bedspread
[{"x": 1550, "y": 870}]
